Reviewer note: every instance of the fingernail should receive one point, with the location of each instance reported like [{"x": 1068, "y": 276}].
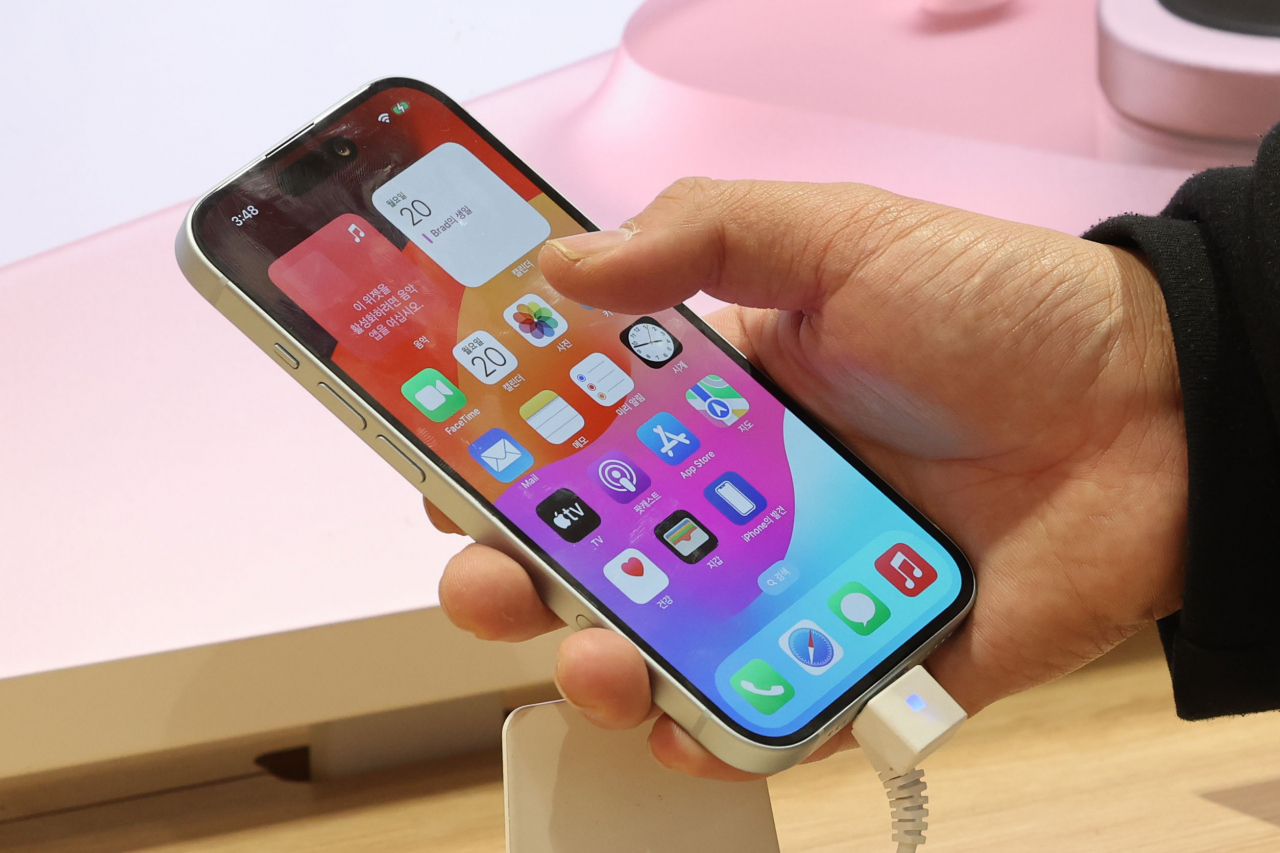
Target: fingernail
[
  {"x": 592, "y": 716},
  {"x": 575, "y": 247}
]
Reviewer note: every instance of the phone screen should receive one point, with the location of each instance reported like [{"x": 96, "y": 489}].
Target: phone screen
[{"x": 658, "y": 472}]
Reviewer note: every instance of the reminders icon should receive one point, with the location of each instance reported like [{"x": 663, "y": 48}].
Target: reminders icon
[
  {"x": 601, "y": 379},
  {"x": 552, "y": 418}
]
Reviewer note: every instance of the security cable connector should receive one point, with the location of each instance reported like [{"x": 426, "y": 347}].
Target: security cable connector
[{"x": 901, "y": 725}]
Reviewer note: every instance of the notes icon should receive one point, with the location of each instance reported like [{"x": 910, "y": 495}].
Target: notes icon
[{"x": 552, "y": 418}]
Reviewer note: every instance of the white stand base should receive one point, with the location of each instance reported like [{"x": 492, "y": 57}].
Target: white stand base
[
  {"x": 405, "y": 736},
  {"x": 574, "y": 788}
]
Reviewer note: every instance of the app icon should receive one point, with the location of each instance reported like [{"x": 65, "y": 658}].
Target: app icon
[
  {"x": 488, "y": 360},
  {"x": 906, "y": 570},
  {"x": 671, "y": 440},
  {"x": 736, "y": 499},
  {"x": 535, "y": 319},
  {"x": 552, "y": 418},
  {"x": 501, "y": 455},
  {"x": 762, "y": 686},
  {"x": 685, "y": 535},
  {"x": 568, "y": 515},
  {"x": 636, "y": 575},
  {"x": 622, "y": 479},
  {"x": 858, "y": 608},
  {"x": 651, "y": 343},
  {"x": 434, "y": 395},
  {"x": 601, "y": 379},
  {"x": 810, "y": 647},
  {"x": 717, "y": 399}
]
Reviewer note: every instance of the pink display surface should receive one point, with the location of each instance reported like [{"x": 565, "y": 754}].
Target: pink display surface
[{"x": 167, "y": 485}]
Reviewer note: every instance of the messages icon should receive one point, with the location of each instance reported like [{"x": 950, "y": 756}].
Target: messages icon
[
  {"x": 858, "y": 608},
  {"x": 501, "y": 455}
]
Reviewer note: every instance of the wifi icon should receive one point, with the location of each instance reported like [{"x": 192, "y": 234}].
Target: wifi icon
[{"x": 385, "y": 118}]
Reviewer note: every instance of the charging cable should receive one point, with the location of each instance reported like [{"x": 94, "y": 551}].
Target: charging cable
[{"x": 898, "y": 728}]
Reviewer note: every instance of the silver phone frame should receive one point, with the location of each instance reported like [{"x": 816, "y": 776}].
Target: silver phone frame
[{"x": 478, "y": 522}]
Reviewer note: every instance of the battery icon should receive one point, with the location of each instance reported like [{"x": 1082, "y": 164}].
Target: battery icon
[{"x": 401, "y": 108}]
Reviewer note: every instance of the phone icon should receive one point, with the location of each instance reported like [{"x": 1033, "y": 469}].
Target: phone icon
[
  {"x": 434, "y": 395},
  {"x": 910, "y": 573},
  {"x": 762, "y": 686},
  {"x": 736, "y": 499}
]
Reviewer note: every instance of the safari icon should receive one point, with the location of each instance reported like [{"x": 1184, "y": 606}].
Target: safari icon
[{"x": 858, "y": 608}]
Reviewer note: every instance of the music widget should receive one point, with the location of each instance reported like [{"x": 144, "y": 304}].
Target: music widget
[{"x": 910, "y": 573}]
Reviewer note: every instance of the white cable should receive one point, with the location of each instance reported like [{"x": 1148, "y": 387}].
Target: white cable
[
  {"x": 900, "y": 726},
  {"x": 907, "y": 802}
]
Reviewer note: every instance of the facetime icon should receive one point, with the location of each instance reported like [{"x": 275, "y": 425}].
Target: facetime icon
[{"x": 434, "y": 395}]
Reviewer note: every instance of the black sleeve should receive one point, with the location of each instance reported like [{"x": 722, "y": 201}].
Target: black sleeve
[{"x": 1216, "y": 252}]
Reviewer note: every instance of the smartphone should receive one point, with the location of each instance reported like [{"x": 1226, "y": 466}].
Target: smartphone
[{"x": 651, "y": 480}]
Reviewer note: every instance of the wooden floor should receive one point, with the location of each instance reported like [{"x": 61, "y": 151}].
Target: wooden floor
[{"x": 1095, "y": 762}]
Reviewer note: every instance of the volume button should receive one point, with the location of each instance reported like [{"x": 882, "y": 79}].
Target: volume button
[
  {"x": 345, "y": 411},
  {"x": 286, "y": 358},
  {"x": 402, "y": 463}
]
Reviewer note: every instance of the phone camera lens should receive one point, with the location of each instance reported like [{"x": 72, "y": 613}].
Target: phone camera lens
[{"x": 342, "y": 146}]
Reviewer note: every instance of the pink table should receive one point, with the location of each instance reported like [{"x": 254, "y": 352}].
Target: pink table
[{"x": 168, "y": 488}]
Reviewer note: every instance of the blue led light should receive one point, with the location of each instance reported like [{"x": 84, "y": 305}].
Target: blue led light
[{"x": 915, "y": 703}]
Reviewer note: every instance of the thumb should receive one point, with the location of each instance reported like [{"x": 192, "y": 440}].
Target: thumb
[{"x": 755, "y": 243}]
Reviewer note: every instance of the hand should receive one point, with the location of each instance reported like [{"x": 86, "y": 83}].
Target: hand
[{"x": 1016, "y": 384}]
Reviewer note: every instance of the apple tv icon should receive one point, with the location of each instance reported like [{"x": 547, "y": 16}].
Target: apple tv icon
[{"x": 568, "y": 515}]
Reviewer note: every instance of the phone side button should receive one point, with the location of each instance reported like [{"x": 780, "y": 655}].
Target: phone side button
[
  {"x": 340, "y": 407},
  {"x": 398, "y": 460},
  {"x": 285, "y": 357}
]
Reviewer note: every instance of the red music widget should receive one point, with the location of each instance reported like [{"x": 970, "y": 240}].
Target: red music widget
[{"x": 906, "y": 570}]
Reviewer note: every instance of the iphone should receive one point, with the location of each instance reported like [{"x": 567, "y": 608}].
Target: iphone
[{"x": 651, "y": 480}]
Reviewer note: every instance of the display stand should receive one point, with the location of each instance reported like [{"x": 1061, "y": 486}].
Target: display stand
[{"x": 574, "y": 788}]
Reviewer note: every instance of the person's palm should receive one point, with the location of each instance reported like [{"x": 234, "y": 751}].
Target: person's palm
[{"x": 1016, "y": 384}]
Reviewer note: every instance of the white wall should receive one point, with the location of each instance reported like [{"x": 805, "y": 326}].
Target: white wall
[{"x": 110, "y": 111}]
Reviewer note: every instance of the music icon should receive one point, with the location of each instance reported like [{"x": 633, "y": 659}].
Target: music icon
[
  {"x": 910, "y": 573},
  {"x": 356, "y": 232}
]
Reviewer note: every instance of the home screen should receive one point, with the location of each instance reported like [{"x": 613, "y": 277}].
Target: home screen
[{"x": 642, "y": 458}]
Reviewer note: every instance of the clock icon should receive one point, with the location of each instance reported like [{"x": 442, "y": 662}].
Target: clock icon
[{"x": 651, "y": 343}]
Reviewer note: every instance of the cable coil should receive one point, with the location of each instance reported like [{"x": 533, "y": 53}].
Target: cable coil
[{"x": 907, "y": 801}]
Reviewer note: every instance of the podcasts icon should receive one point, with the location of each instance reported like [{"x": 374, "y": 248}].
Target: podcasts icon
[{"x": 621, "y": 479}]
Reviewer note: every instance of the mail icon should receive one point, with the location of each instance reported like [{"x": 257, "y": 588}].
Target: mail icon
[{"x": 501, "y": 455}]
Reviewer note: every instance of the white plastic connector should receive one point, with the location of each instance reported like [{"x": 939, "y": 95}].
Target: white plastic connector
[{"x": 902, "y": 725}]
